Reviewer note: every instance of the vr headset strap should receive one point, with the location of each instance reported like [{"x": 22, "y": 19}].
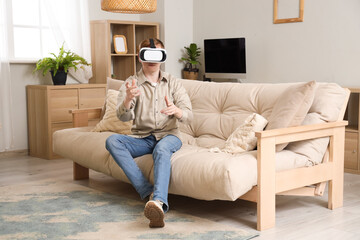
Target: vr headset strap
[{"x": 152, "y": 44}]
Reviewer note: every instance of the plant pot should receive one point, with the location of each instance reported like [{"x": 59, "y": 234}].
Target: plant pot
[
  {"x": 190, "y": 75},
  {"x": 59, "y": 78}
]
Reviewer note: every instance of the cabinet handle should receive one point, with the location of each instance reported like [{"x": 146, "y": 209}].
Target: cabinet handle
[{"x": 354, "y": 151}]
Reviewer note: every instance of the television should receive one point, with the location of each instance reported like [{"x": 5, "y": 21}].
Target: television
[{"x": 225, "y": 58}]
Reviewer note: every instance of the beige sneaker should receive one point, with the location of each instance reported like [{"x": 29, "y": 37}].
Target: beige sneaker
[{"x": 155, "y": 213}]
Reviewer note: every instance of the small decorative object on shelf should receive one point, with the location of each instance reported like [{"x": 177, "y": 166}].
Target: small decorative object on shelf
[
  {"x": 120, "y": 46},
  {"x": 190, "y": 70},
  {"x": 59, "y": 65},
  {"x": 129, "y": 6}
]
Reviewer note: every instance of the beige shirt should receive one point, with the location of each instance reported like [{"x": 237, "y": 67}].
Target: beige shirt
[{"x": 145, "y": 108}]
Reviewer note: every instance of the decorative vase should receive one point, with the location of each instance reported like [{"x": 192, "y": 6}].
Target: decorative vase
[
  {"x": 59, "y": 78},
  {"x": 190, "y": 75}
]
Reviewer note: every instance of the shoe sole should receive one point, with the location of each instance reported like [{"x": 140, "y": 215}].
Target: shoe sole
[{"x": 155, "y": 215}]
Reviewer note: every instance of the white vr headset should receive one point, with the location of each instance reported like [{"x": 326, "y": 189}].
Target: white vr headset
[{"x": 152, "y": 54}]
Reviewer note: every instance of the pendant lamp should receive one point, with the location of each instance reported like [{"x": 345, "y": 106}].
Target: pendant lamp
[{"x": 129, "y": 6}]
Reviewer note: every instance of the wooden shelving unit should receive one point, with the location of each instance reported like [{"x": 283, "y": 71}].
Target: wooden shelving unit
[
  {"x": 105, "y": 62},
  {"x": 352, "y": 134}
]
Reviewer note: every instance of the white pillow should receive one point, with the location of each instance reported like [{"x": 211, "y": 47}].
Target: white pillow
[
  {"x": 243, "y": 138},
  {"x": 110, "y": 121}
]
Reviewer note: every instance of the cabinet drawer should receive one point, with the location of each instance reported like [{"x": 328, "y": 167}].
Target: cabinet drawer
[
  {"x": 60, "y": 102},
  {"x": 91, "y": 97},
  {"x": 351, "y": 150}
]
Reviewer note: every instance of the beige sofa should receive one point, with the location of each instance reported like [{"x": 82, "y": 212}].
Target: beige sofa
[{"x": 313, "y": 153}]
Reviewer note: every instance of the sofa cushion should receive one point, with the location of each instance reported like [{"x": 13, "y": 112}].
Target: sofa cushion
[
  {"x": 113, "y": 84},
  {"x": 195, "y": 172},
  {"x": 243, "y": 138},
  {"x": 328, "y": 102},
  {"x": 200, "y": 174},
  {"x": 110, "y": 121},
  {"x": 219, "y": 108},
  {"x": 291, "y": 108}
]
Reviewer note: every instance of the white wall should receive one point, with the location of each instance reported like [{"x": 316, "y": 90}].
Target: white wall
[
  {"x": 176, "y": 30},
  {"x": 178, "y": 26},
  {"x": 325, "y": 47}
]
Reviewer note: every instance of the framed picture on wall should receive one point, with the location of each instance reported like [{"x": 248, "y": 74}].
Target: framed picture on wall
[
  {"x": 120, "y": 46},
  {"x": 284, "y": 8}
]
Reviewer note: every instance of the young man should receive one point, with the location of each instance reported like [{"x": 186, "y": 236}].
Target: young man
[{"x": 156, "y": 102}]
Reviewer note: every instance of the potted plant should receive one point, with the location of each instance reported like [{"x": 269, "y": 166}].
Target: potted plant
[
  {"x": 190, "y": 70},
  {"x": 59, "y": 65}
]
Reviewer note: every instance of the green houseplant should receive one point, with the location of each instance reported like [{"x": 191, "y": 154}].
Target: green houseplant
[
  {"x": 58, "y": 65},
  {"x": 190, "y": 70}
]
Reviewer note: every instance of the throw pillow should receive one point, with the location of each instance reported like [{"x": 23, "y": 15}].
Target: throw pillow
[
  {"x": 243, "y": 138},
  {"x": 114, "y": 84},
  {"x": 291, "y": 108},
  {"x": 111, "y": 84},
  {"x": 110, "y": 121}
]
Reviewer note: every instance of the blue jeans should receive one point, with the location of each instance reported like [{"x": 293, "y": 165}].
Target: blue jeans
[{"x": 125, "y": 148}]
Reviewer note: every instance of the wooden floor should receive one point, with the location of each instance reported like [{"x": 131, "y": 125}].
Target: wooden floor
[{"x": 296, "y": 217}]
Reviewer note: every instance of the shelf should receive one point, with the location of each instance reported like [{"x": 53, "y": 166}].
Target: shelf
[
  {"x": 123, "y": 67},
  {"x": 105, "y": 62},
  {"x": 122, "y": 55}
]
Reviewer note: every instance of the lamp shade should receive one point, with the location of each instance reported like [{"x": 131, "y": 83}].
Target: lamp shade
[{"x": 129, "y": 6}]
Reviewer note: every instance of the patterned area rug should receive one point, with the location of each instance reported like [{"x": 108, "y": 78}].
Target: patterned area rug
[{"x": 62, "y": 210}]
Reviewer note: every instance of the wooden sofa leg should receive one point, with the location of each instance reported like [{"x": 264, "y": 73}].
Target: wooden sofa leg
[
  {"x": 80, "y": 172},
  {"x": 336, "y": 185},
  {"x": 266, "y": 184}
]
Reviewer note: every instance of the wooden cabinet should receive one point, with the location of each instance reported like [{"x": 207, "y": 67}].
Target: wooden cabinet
[
  {"x": 352, "y": 140},
  {"x": 105, "y": 62},
  {"x": 48, "y": 111}
]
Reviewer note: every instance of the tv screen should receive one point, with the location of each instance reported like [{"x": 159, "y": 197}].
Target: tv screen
[{"x": 225, "y": 55}]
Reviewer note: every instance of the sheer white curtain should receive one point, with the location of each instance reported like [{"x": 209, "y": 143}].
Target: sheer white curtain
[
  {"x": 69, "y": 22},
  {"x": 6, "y": 128}
]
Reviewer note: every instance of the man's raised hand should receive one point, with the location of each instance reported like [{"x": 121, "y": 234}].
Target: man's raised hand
[
  {"x": 171, "y": 109},
  {"x": 132, "y": 91}
]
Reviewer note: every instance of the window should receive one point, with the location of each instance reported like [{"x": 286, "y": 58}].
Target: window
[{"x": 30, "y": 36}]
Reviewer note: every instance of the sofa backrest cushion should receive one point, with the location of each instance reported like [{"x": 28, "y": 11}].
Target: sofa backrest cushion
[{"x": 219, "y": 108}]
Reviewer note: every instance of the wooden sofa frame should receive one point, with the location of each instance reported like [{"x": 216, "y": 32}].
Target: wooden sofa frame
[{"x": 305, "y": 181}]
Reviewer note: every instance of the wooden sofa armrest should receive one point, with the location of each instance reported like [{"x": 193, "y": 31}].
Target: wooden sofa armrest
[
  {"x": 293, "y": 134},
  {"x": 81, "y": 116},
  {"x": 271, "y": 182}
]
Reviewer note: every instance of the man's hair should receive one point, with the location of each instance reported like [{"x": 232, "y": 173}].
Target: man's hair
[{"x": 146, "y": 43}]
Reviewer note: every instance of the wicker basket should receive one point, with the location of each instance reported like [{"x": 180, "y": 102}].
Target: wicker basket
[
  {"x": 190, "y": 75},
  {"x": 129, "y": 6}
]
